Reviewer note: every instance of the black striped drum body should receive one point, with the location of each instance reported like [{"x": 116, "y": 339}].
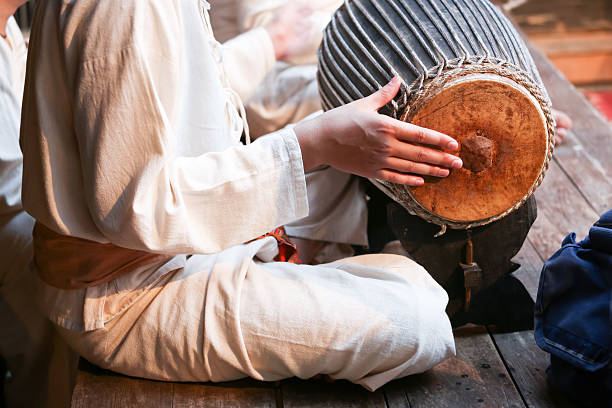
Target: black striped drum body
[{"x": 467, "y": 73}]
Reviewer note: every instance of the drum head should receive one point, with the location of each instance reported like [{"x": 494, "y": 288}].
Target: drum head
[{"x": 504, "y": 142}]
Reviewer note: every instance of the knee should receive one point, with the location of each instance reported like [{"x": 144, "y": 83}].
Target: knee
[{"x": 425, "y": 334}]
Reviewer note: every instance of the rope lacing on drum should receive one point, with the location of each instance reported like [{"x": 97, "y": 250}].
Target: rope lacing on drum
[{"x": 472, "y": 66}]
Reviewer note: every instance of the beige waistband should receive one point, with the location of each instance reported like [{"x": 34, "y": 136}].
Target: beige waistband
[{"x": 74, "y": 263}]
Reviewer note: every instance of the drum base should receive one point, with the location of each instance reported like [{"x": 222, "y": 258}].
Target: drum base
[
  {"x": 498, "y": 299},
  {"x": 506, "y": 305}
]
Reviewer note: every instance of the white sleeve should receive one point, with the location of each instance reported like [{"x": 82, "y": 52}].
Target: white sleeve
[
  {"x": 143, "y": 194},
  {"x": 247, "y": 59},
  {"x": 10, "y": 154}
]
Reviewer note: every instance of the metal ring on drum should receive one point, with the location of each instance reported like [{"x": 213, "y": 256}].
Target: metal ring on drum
[{"x": 466, "y": 73}]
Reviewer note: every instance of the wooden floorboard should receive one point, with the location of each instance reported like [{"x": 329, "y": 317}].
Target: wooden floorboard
[
  {"x": 531, "y": 265},
  {"x": 222, "y": 396},
  {"x": 591, "y": 129},
  {"x": 476, "y": 377},
  {"x": 561, "y": 210},
  {"x": 319, "y": 394},
  {"x": 96, "y": 387},
  {"x": 104, "y": 391},
  {"x": 527, "y": 364}
]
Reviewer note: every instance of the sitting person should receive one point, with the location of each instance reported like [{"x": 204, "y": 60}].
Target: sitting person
[
  {"x": 36, "y": 358},
  {"x": 151, "y": 215}
]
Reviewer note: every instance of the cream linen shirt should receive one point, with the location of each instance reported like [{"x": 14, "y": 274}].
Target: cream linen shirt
[{"x": 131, "y": 134}]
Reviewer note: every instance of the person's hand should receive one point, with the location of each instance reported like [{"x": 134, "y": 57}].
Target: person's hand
[
  {"x": 290, "y": 29},
  {"x": 564, "y": 123},
  {"x": 356, "y": 139}
]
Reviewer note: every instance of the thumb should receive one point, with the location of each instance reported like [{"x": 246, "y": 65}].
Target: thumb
[{"x": 384, "y": 95}]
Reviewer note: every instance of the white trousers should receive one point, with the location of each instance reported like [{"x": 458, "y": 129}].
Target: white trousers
[
  {"x": 233, "y": 314},
  {"x": 221, "y": 317}
]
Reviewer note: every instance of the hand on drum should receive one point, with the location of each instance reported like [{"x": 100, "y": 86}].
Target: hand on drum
[{"x": 356, "y": 139}]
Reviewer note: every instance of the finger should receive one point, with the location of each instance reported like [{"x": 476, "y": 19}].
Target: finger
[
  {"x": 560, "y": 134},
  {"x": 563, "y": 121},
  {"x": 400, "y": 178},
  {"x": 383, "y": 96},
  {"x": 422, "y": 169},
  {"x": 408, "y": 132},
  {"x": 422, "y": 154}
]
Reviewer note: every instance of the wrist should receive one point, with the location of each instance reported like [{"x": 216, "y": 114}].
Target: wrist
[{"x": 308, "y": 136}]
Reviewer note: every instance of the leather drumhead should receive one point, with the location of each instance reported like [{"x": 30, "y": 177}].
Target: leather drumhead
[{"x": 503, "y": 140}]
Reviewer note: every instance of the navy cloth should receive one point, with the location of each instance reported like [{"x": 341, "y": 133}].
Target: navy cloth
[{"x": 573, "y": 319}]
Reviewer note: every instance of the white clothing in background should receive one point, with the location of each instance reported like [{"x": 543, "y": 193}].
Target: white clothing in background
[
  {"x": 230, "y": 18},
  {"x": 133, "y": 139},
  {"x": 13, "y": 55},
  {"x": 36, "y": 357},
  {"x": 288, "y": 94}
]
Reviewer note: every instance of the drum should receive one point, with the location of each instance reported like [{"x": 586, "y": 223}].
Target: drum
[{"x": 467, "y": 73}]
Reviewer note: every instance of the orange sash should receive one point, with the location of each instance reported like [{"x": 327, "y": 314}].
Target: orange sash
[{"x": 74, "y": 263}]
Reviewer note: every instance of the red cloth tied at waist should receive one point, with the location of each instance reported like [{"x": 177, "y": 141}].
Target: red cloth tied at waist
[
  {"x": 287, "y": 250},
  {"x": 75, "y": 263}
]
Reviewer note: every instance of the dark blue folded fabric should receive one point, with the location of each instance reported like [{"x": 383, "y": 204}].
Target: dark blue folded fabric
[
  {"x": 572, "y": 315},
  {"x": 573, "y": 319}
]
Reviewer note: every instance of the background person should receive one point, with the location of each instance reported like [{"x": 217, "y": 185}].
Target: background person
[{"x": 39, "y": 362}]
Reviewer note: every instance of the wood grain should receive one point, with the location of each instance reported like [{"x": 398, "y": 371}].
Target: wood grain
[
  {"x": 319, "y": 394},
  {"x": 476, "y": 377},
  {"x": 561, "y": 209},
  {"x": 96, "y": 387},
  {"x": 531, "y": 265},
  {"x": 590, "y": 127},
  {"x": 222, "y": 396},
  {"x": 527, "y": 365},
  {"x": 585, "y": 154},
  {"x": 110, "y": 391}
]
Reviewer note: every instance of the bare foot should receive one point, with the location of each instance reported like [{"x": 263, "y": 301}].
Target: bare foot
[{"x": 564, "y": 123}]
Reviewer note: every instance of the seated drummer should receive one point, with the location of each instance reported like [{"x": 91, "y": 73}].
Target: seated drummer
[
  {"x": 151, "y": 213},
  {"x": 153, "y": 240}
]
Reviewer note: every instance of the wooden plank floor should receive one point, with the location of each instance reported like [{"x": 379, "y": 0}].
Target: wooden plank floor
[{"x": 491, "y": 369}]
